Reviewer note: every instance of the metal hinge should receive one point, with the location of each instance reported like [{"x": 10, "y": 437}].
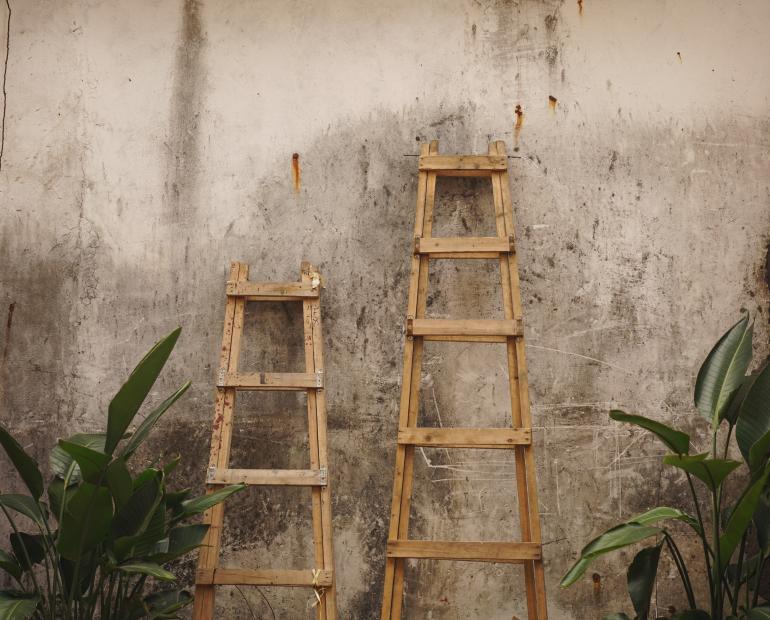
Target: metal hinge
[
  {"x": 323, "y": 474},
  {"x": 319, "y": 379}
]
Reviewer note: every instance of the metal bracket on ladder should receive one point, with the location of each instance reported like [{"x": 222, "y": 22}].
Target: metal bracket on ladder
[
  {"x": 320, "y": 577},
  {"x": 508, "y": 331}
]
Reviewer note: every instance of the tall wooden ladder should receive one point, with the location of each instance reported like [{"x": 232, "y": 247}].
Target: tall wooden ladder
[
  {"x": 528, "y": 551},
  {"x": 229, "y": 382}
]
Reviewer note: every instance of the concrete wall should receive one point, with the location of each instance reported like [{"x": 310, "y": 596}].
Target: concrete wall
[{"x": 150, "y": 142}]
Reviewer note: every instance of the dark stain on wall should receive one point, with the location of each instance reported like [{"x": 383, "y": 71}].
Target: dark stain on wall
[{"x": 183, "y": 147}]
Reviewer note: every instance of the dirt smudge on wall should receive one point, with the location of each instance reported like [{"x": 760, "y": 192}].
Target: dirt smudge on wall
[{"x": 183, "y": 146}]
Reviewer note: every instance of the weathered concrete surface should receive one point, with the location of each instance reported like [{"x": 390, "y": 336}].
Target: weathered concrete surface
[{"x": 148, "y": 143}]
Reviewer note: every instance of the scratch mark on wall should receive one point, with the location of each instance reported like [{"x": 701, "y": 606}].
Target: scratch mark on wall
[
  {"x": 585, "y": 357},
  {"x": 5, "y": 81},
  {"x": 9, "y": 321}
]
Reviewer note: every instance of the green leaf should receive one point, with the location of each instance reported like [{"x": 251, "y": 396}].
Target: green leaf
[
  {"x": 204, "y": 502},
  {"x": 758, "y": 453},
  {"x": 32, "y": 544},
  {"x": 86, "y": 521},
  {"x": 135, "y": 515},
  {"x": 143, "y": 431},
  {"x": 663, "y": 513},
  {"x": 17, "y": 605},
  {"x": 145, "y": 541},
  {"x": 734, "y": 409},
  {"x": 172, "y": 464},
  {"x": 163, "y": 604},
  {"x": 56, "y": 495},
  {"x": 119, "y": 481},
  {"x": 762, "y": 523},
  {"x": 641, "y": 579},
  {"x": 754, "y": 417},
  {"x": 147, "y": 568},
  {"x": 23, "y": 462},
  {"x": 759, "y": 613},
  {"x": 61, "y": 462},
  {"x": 182, "y": 540},
  {"x": 92, "y": 463},
  {"x": 131, "y": 395},
  {"x": 9, "y": 564},
  {"x": 712, "y": 472},
  {"x": 691, "y": 614},
  {"x": 615, "y": 538},
  {"x": 723, "y": 372},
  {"x": 676, "y": 441},
  {"x": 25, "y": 505},
  {"x": 175, "y": 498},
  {"x": 740, "y": 518}
]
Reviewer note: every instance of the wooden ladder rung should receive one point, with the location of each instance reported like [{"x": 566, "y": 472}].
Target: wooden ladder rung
[
  {"x": 464, "y": 247},
  {"x": 468, "y": 330},
  {"x": 276, "y": 381},
  {"x": 508, "y": 552},
  {"x": 272, "y": 291},
  {"x": 465, "y": 437},
  {"x": 269, "y": 477},
  {"x": 463, "y": 165},
  {"x": 263, "y": 577}
]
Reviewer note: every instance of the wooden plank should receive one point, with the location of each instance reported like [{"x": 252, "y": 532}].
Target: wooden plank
[
  {"x": 268, "y": 477},
  {"x": 273, "y": 291},
  {"x": 263, "y": 577},
  {"x": 465, "y": 327},
  {"x": 291, "y": 381},
  {"x": 460, "y": 247},
  {"x": 507, "y": 552},
  {"x": 471, "y": 163},
  {"x": 465, "y": 437}
]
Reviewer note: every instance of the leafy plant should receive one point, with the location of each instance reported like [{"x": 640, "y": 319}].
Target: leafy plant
[
  {"x": 101, "y": 532},
  {"x": 733, "y": 533}
]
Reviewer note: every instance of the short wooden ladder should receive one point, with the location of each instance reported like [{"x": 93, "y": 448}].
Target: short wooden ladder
[
  {"x": 229, "y": 382},
  {"x": 528, "y": 551}
]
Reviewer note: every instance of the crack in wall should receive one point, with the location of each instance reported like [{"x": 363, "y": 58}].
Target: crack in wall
[{"x": 5, "y": 81}]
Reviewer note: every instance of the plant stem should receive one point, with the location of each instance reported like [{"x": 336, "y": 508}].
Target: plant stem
[
  {"x": 682, "y": 568},
  {"x": 706, "y": 549},
  {"x": 738, "y": 573},
  {"x": 26, "y": 553},
  {"x": 760, "y": 568}
]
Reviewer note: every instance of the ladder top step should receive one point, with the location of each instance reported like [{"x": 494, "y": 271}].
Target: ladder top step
[
  {"x": 465, "y": 437},
  {"x": 274, "y": 291},
  {"x": 463, "y": 163},
  {"x": 507, "y": 552},
  {"x": 439, "y": 329},
  {"x": 322, "y": 578},
  {"x": 271, "y": 381},
  {"x": 464, "y": 247},
  {"x": 269, "y": 477}
]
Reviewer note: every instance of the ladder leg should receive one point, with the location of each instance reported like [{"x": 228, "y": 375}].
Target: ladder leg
[
  {"x": 203, "y": 606},
  {"x": 526, "y": 479}
]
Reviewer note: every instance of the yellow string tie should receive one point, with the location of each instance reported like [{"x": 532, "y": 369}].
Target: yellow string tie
[{"x": 318, "y": 590}]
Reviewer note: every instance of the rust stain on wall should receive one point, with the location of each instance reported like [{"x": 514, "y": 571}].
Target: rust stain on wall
[
  {"x": 295, "y": 174},
  {"x": 519, "y": 122},
  {"x": 580, "y": 6},
  {"x": 552, "y": 101}
]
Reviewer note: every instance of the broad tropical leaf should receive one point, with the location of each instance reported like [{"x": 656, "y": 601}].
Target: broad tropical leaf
[
  {"x": 615, "y": 538},
  {"x": 87, "y": 519},
  {"x": 145, "y": 542},
  {"x": 182, "y": 540},
  {"x": 141, "y": 433},
  {"x": 131, "y": 395},
  {"x": 641, "y": 579},
  {"x": 758, "y": 453},
  {"x": 17, "y": 605},
  {"x": 63, "y": 463},
  {"x": 25, "y": 505},
  {"x": 23, "y": 462},
  {"x": 675, "y": 440},
  {"x": 734, "y": 409},
  {"x": 163, "y": 604},
  {"x": 762, "y": 523},
  {"x": 119, "y": 481},
  {"x": 711, "y": 471},
  {"x": 754, "y": 416},
  {"x": 147, "y": 568},
  {"x": 9, "y": 564},
  {"x": 723, "y": 372},
  {"x": 759, "y": 613},
  {"x": 27, "y": 546},
  {"x": 92, "y": 463},
  {"x": 740, "y": 517},
  {"x": 663, "y": 513},
  {"x": 204, "y": 502},
  {"x": 56, "y": 495},
  {"x": 134, "y": 516}
]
